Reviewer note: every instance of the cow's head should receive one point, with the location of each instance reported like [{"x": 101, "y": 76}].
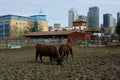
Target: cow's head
[{"x": 60, "y": 60}]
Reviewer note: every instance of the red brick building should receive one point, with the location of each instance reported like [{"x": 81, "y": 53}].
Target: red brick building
[{"x": 75, "y": 36}]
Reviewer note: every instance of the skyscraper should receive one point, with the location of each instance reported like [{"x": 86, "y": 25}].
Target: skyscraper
[
  {"x": 118, "y": 16},
  {"x": 93, "y": 17},
  {"x": 114, "y": 22},
  {"x": 107, "y": 20},
  {"x": 72, "y": 16}
]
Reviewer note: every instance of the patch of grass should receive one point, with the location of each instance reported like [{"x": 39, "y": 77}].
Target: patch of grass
[{"x": 28, "y": 45}]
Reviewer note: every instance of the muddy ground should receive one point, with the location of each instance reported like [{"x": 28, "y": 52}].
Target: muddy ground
[{"x": 88, "y": 64}]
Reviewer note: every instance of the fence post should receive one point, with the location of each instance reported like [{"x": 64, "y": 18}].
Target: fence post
[
  {"x": 97, "y": 42},
  {"x": 6, "y": 43},
  {"x": 21, "y": 42}
]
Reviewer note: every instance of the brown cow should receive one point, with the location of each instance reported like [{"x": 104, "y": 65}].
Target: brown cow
[
  {"x": 49, "y": 51},
  {"x": 65, "y": 49}
]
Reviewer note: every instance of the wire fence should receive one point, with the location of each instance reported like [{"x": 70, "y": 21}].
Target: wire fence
[{"x": 18, "y": 43}]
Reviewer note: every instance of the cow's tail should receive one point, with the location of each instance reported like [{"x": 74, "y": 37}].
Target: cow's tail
[{"x": 37, "y": 53}]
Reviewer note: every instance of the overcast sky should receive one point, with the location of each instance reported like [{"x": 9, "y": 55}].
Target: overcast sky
[{"x": 57, "y": 10}]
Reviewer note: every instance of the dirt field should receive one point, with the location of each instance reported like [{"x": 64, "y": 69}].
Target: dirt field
[{"x": 88, "y": 64}]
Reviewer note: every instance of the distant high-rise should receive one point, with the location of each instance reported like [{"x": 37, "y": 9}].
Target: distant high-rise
[
  {"x": 83, "y": 17},
  {"x": 72, "y": 16},
  {"x": 107, "y": 20},
  {"x": 93, "y": 17},
  {"x": 114, "y": 22},
  {"x": 118, "y": 16}
]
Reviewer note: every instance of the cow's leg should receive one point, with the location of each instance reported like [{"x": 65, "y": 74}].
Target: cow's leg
[
  {"x": 37, "y": 54},
  {"x": 62, "y": 54},
  {"x": 41, "y": 59},
  {"x": 50, "y": 59},
  {"x": 71, "y": 53},
  {"x": 67, "y": 54}
]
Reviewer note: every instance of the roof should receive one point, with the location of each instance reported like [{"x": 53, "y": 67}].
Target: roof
[
  {"x": 8, "y": 17},
  {"x": 39, "y": 15},
  {"x": 60, "y": 32},
  {"x": 80, "y": 20},
  {"x": 13, "y": 15},
  {"x": 92, "y": 29}
]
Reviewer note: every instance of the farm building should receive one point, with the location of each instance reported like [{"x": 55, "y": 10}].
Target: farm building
[
  {"x": 79, "y": 24},
  {"x": 63, "y": 34}
]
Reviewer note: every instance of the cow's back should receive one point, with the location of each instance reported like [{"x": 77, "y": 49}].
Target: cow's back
[
  {"x": 53, "y": 51},
  {"x": 47, "y": 50}
]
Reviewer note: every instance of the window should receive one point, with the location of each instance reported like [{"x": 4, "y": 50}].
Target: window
[
  {"x": 1, "y": 23},
  {"x": 6, "y": 34},
  {"x": 7, "y": 24},
  {"x": 1, "y": 33}
]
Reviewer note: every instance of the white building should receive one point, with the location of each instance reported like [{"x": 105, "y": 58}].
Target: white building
[{"x": 72, "y": 16}]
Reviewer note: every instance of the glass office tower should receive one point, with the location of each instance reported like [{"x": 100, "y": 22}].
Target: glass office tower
[{"x": 93, "y": 17}]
